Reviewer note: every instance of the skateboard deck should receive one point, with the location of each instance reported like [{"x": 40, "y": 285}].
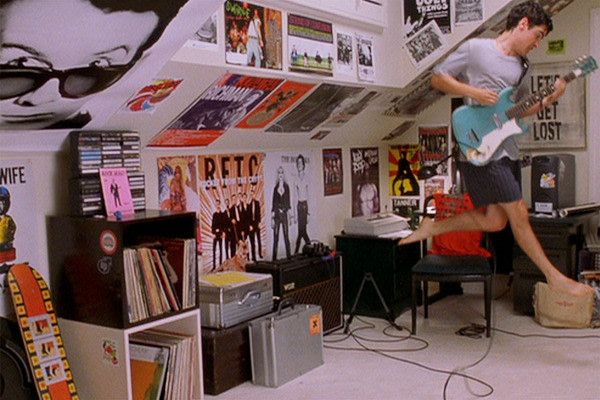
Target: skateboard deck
[{"x": 41, "y": 334}]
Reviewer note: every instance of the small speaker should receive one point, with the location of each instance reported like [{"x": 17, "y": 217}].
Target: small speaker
[{"x": 552, "y": 182}]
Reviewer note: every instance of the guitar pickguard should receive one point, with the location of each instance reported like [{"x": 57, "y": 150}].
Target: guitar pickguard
[{"x": 491, "y": 141}]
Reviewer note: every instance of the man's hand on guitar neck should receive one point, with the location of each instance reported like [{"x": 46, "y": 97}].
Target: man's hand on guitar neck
[{"x": 560, "y": 85}]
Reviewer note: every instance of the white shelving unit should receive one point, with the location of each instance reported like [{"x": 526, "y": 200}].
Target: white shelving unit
[{"x": 103, "y": 373}]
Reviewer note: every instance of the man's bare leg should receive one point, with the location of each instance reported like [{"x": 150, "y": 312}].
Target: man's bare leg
[{"x": 518, "y": 218}]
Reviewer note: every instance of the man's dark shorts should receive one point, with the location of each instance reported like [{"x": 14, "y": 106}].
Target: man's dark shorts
[{"x": 498, "y": 181}]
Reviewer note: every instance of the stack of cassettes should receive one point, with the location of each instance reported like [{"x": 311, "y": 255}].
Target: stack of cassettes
[{"x": 92, "y": 150}]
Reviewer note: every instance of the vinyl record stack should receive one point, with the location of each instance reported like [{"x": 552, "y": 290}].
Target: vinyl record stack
[{"x": 91, "y": 150}]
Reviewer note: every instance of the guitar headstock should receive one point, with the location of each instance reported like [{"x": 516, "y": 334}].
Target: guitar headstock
[{"x": 584, "y": 65}]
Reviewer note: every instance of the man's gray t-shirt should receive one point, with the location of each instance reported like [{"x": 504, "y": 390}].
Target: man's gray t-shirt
[{"x": 480, "y": 63}]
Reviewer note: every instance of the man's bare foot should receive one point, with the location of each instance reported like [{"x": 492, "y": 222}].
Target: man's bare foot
[
  {"x": 424, "y": 231},
  {"x": 562, "y": 284}
]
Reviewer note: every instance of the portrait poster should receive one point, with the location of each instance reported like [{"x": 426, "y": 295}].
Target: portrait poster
[
  {"x": 399, "y": 130},
  {"x": 178, "y": 186},
  {"x": 434, "y": 146},
  {"x": 116, "y": 191},
  {"x": 418, "y": 13},
  {"x": 148, "y": 98},
  {"x": 217, "y": 109},
  {"x": 562, "y": 125},
  {"x": 101, "y": 37},
  {"x": 333, "y": 172},
  {"x": 206, "y": 36},
  {"x": 292, "y": 217},
  {"x": 310, "y": 45},
  {"x": 314, "y": 109},
  {"x": 404, "y": 165},
  {"x": 427, "y": 44},
  {"x": 275, "y": 104},
  {"x": 19, "y": 241},
  {"x": 365, "y": 181},
  {"x": 345, "y": 63},
  {"x": 364, "y": 51},
  {"x": 252, "y": 35},
  {"x": 350, "y": 107},
  {"x": 468, "y": 11},
  {"x": 232, "y": 210}
]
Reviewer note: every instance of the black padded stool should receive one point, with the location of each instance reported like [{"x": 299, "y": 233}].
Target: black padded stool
[{"x": 442, "y": 268}]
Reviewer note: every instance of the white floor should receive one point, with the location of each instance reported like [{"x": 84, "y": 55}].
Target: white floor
[{"x": 564, "y": 366}]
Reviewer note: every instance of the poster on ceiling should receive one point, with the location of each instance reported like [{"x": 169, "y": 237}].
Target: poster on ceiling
[
  {"x": 232, "y": 211},
  {"x": 291, "y": 181},
  {"x": 350, "y": 107},
  {"x": 365, "y": 181},
  {"x": 468, "y": 11},
  {"x": 252, "y": 35},
  {"x": 206, "y": 36},
  {"x": 426, "y": 45},
  {"x": 315, "y": 108},
  {"x": 117, "y": 51},
  {"x": 418, "y": 13},
  {"x": 275, "y": 105},
  {"x": 147, "y": 99},
  {"x": 216, "y": 110},
  {"x": 310, "y": 45}
]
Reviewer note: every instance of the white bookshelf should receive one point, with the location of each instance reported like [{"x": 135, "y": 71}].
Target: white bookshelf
[{"x": 95, "y": 373}]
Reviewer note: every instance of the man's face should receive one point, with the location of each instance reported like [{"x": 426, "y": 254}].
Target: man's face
[
  {"x": 39, "y": 37},
  {"x": 530, "y": 37}
]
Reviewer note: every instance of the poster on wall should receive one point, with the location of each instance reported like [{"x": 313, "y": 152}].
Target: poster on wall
[
  {"x": 117, "y": 53},
  {"x": 232, "y": 211},
  {"x": 275, "y": 105},
  {"x": 148, "y": 98},
  {"x": 333, "y": 172},
  {"x": 291, "y": 179},
  {"x": 315, "y": 108},
  {"x": 562, "y": 125},
  {"x": 418, "y": 13},
  {"x": 427, "y": 44},
  {"x": 468, "y": 11},
  {"x": 434, "y": 147},
  {"x": 217, "y": 109},
  {"x": 345, "y": 53},
  {"x": 178, "y": 186},
  {"x": 407, "y": 207},
  {"x": 365, "y": 181},
  {"x": 350, "y": 107},
  {"x": 364, "y": 51},
  {"x": 18, "y": 225},
  {"x": 252, "y": 35},
  {"x": 310, "y": 45},
  {"x": 404, "y": 165}
]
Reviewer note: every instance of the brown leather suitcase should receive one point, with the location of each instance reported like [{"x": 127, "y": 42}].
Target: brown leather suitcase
[{"x": 225, "y": 358}]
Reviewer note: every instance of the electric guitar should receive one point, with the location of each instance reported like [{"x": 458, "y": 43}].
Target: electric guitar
[{"x": 479, "y": 130}]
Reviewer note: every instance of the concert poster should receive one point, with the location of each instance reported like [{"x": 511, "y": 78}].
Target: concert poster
[
  {"x": 434, "y": 146},
  {"x": 468, "y": 11},
  {"x": 365, "y": 181},
  {"x": 345, "y": 53},
  {"x": 426, "y": 44},
  {"x": 350, "y": 107},
  {"x": 314, "y": 109},
  {"x": 217, "y": 109},
  {"x": 404, "y": 165},
  {"x": 18, "y": 221},
  {"x": 364, "y": 50},
  {"x": 418, "y": 13},
  {"x": 149, "y": 97},
  {"x": 333, "y": 172},
  {"x": 253, "y": 35},
  {"x": 292, "y": 218},
  {"x": 232, "y": 210},
  {"x": 310, "y": 45},
  {"x": 275, "y": 104}
]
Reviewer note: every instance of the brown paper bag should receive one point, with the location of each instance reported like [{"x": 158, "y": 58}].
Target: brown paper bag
[{"x": 560, "y": 310}]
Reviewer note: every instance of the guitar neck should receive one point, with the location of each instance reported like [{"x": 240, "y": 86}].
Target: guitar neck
[{"x": 519, "y": 109}]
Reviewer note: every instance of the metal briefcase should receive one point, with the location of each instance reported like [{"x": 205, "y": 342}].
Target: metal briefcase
[
  {"x": 286, "y": 344},
  {"x": 228, "y": 298}
]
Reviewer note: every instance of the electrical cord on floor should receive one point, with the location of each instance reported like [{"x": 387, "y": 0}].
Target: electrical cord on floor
[{"x": 540, "y": 335}]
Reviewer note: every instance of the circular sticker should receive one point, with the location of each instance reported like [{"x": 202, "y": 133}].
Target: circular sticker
[
  {"x": 108, "y": 242},
  {"x": 104, "y": 265}
]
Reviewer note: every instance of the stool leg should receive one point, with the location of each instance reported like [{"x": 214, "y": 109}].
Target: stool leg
[
  {"x": 415, "y": 283},
  {"x": 425, "y": 299},
  {"x": 487, "y": 290}
]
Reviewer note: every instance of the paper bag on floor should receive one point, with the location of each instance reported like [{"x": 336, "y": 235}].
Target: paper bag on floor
[{"x": 560, "y": 310}]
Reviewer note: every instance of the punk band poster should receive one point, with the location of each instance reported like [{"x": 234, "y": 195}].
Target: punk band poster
[
  {"x": 232, "y": 206},
  {"x": 310, "y": 45},
  {"x": 333, "y": 172},
  {"x": 434, "y": 147},
  {"x": 365, "y": 181},
  {"x": 252, "y": 35},
  {"x": 404, "y": 164},
  {"x": 291, "y": 219},
  {"x": 418, "y": 13}
]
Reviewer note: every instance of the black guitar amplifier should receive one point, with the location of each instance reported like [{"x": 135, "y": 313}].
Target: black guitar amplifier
[{"x": 308, "y": 280}]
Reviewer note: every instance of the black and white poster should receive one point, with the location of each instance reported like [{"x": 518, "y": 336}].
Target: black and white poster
[
  {"x": 418, "y": 13},
  {"x": 206, "y": 36},
  {"x": 468, "y": 11},
  {"x": 364, "y": 164},
  {"x": 428, "y": 43},
  {"x": 366, "y": 68},
  {"x": 315, "y": 109},
  {"x": 345, "y": 53},
  {"x": 87, "y": 58}
]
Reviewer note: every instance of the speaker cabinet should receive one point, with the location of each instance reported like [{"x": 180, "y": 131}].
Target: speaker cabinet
[{"x": 552, "y": 182}]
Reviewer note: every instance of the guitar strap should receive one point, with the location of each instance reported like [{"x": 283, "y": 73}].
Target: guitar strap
[{"x": 524, "y": 69}]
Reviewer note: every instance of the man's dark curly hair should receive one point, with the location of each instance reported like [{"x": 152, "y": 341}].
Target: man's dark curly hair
[{"x": 533, "y": 11}]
